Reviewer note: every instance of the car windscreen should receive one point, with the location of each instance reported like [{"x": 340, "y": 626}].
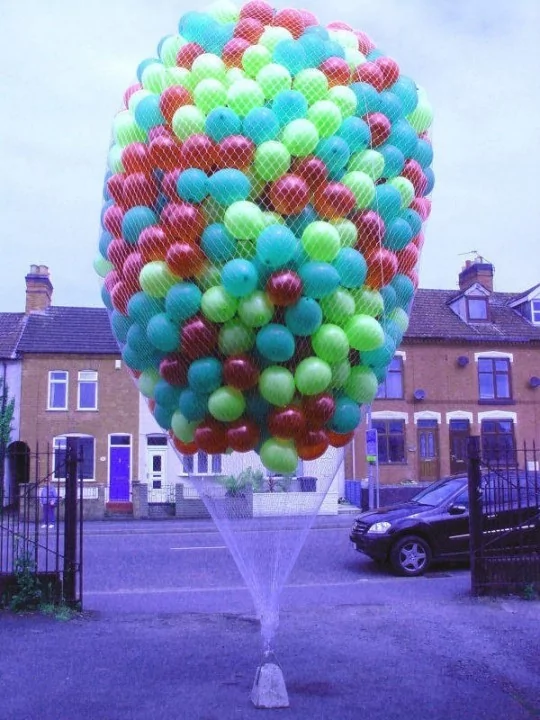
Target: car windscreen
[{"x": 439, "y": 492}]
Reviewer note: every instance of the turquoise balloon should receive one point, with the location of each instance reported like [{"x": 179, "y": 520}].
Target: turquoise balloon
[
  {"x": 392, "y": 329},
  {"x": 182, "y": 301},
  {"x": 144, "y": 64},
  {"x": 423, "y": 153},
  {"x": 205, "y": 375},
  {"x": 319, "y": 278},
  {"x": 356, "y": 133},
  {"x": 163, "y": 333},
  {"x": 430, "y": 177},
  {"x": 276, "y": 246},
  {"x": 141, "y": 308},
  {"x": 163, "y": 416},
  {"x": 334, "y": 152},
  {"x": 275, "y": 342},
  {"x": 319, "y": 31},
  {"x": 298, "y": 223},
  {"x": 405, "y": 89},
  {"x": 387, "y": 202},
  {"x": 192, "y": 185},
  {"x": 305, "y": 317},
  {"x": 347, "y": 415},
  {"x": 389, "y": 297},
  {"x": 382, "y": 356},
  {"x": 257, "y": 407},
  {"x": 391, "y": 106},
  {"x": 403, "y": 136},
  {"x": 166, "y": 395},
  {"x": 260, "y": 125},
  {"x": 352, "y": 267},
  {"x": 138, "y": 340},
  {"x": 239, "y": 277},
  {"x": 292, "y": 55},
  {"x": 394, "y": 161},
  {"x": 217, "y": 243},
  {"x": 192, "y": 405},
  {"x": 148, "y": 114},
  {"x": 193, "y": 25},
  {"x": 229, "y": 186},
  {"x": 105, "y": 240},
  {"x": 367, "y": 97},
  {"x": 413, "y": 218},
  {"x": 404, "y": 289},
  {"x": 289, "y": 105},
  {"x": 222, "y": 122},
  {"x": 135, "y": 220},
  {"x": 120, "y": 325},
  {"x": 398, "y": 234},
  {"x": 333, "y": 49},
  {"x": 313, "y": 47}
]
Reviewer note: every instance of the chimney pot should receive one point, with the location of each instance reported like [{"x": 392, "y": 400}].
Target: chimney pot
[{"x": 38, "y": 289}]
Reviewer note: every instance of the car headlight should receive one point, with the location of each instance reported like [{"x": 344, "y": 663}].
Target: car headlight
[{"x": 379, "y": 528}]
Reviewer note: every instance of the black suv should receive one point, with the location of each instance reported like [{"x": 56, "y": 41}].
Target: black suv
[{"x": 434, "y": 525}]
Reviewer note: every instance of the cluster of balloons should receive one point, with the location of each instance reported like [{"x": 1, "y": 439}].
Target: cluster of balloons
[{"x": 266, "y": 190}]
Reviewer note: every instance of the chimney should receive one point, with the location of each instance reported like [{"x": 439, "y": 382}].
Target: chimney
[
  {"x": 476, "y": 271},
  {"x": 38, "y": 289}
]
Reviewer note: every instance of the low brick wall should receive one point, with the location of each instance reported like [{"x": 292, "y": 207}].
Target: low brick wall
[
  {"x": 357, "y": 493},
  {"x": 189, "y": 508}
]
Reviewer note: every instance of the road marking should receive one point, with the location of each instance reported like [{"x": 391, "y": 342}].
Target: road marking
[{"x": 208, "y": 547}]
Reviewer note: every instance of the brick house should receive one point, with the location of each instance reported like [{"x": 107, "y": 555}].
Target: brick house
[{"x": 469, "y": 364}]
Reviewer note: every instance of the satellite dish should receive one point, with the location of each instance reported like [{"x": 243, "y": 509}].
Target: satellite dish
[
  {"x": 463, "y": 361},
  {"x": 419, "y": 394},
  {"x": 534, "y": 382}
]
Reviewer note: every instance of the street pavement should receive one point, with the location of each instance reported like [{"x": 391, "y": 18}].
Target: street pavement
[{"x": 170, "y": 633}]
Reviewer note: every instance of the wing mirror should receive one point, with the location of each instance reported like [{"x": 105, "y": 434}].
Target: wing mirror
[{"x": 458, "y": 509}]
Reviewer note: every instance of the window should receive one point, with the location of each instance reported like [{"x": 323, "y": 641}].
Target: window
[
  {"x": 157, "y": 440},
  {"x": 198, "y": 464},
  {"x": 477, "y": 308},
  {"x": 85, "y": 447},
  {"x": 392, "y": 387},
  {"x": 535, "y": 312},
  {"x": 87, "y": 397},
  {"x": 498, "y": 442},
  {"x": 58, "y": 390},
  {"x": 391, "y": 440},
  {"x": 494, "y": 379}
]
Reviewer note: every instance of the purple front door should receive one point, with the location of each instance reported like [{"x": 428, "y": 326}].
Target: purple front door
[{"x": 119, "y": 473}]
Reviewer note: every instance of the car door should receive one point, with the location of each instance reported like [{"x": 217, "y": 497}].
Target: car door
[{"x": 451, "y": 528}]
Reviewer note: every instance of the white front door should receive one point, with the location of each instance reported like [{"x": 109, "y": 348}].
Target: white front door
[{"x": 156, "y": 463}]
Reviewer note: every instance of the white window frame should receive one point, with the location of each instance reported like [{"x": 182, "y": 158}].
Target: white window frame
[
  {"x": 64, "y": 436},
  {"x": 52, "y": 382},
  {"x": 459, "y": 415},
  {"x": 80, "y": 381},
  {"x": 535, "y": 311},
  {"x": 427, "y": 415},
  {"x": 208, "y": 473}
]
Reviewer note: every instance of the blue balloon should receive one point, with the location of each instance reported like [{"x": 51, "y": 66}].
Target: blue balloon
[
  {"x": 276, "y": 246},
  {"x": 144, "y": 64},
  {"x": 356, "y": 133},
  {"x": 300, "y": 257},
  {"x": 217, "y": 243},
  {"x": 423, "y": 153},
  {"x": 314, "y": 47},
  {"x": 391, "y": 106},
  {"x": 404, "y": 288},
  {"x": 166, "y": 395},
  {"x": 205, "y": 375},
  {"x": 256, "y": 406},
  {"x": 138, "y": 341},
  {"x": 222, "y": 122},
  {"x": 193, "y": 25},
  {"x": 317, "y": 30},
  {"x": 239, "y": 277},
  {"x": 161, "y": 43},
  {"x": 263, "y": 271},
  {"x": 333, "y": 49},
  {"x": 387, "y": 202},
  {"x": 403, "y": 136},
  {"x": 367, "y": 97},
  {"x": 291, "y": 55},
  {"x": 406, "y": 91},
  {"x": 120, "y": 325},
  {"x": 347, "y": 415},
  {"x": 389, "y": 297},
  {"x": 430, "y": 176},
  {"x": 229, "y": 186},
  {"x": 398, "y": 234},
  {"x": 414, "y": 220},
  {"x": 298, "y": 223},
  {"x": 351, "y": 266},
  {"x": 394, "y": 161},
  {"x": 392, "y": 329},
  {"x": 161, "y": 201},
  {"x": 148, "y": 113},
  {"x": 135, "y": 220},
  {"x": 289, "y": 105},
  {"x": 141, "y": 308},
  {"x": 183, "y": 301},
  {"x": 192, "y": 185},
  {"x": 374, "y": 54},
  {"x": 141, "y": 361},
  {"x": 163, "y": 416},
  {"x": 336, "y": 174},
  {"x": 105, "y": 207},
  {"x": 320, "y": 279},
  {"x": 382, "y": 356},
  {"x": 106, "y": 298},
  {"x": 260, "y": 125},
  {"x": 304, "y": 317},
  {"x": 104, "y": 241},
  {"x": 215, "y": 37},
  {"x": 163, "y": 333},
  {"x": 275, "y": 342},
  {"x": 192, "y": 405},
  {"x": 334, "y": 152}
]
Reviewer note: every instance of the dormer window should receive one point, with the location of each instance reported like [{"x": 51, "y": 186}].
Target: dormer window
[
  {"x": 477, "y": 308},
  {"x": 535, "y": 312}
]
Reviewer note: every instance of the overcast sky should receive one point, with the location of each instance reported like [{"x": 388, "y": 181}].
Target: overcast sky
[{"x": 64, "y": 65}]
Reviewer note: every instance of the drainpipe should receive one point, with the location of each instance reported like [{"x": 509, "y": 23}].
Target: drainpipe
[{"x": 2, "y": 438}]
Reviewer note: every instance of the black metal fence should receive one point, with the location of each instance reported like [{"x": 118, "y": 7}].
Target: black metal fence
[
  {"x": 41, "y": 527},
  {"x": 504, "y": 496}
]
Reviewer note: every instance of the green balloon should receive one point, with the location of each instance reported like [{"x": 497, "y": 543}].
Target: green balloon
[
  {"x": 188, "y": 120},
  {"x": 330, "y": 343},
  {"x": 368, "y": 302},
  {"x": 210, "y": 277},
  {"x": 312, "y": 83},
  {"x": 182, "y": 428},
  {"x": 156, "y": 279},
  {"x": 274, "y": 35},
  {"x": 422, "y": 116},
  {"x": 344, "y": 98},
  {"x": 354, "y": 57},
  {"x": 114, "y": 159},
  {"x": 405, "y": 189},
  {"x": 300, "y": 137},
  {"x": 272, "y": 218},
  {"x": 244, "y": 96},
  {"x": 272, "y": 160},
  {"x": 147, "y": 382},
  {"x": 338, "y": 307},
  {"x": 217, "y": 305},
  {"x": 226, "y": 404},
  {"x": 256, "y": 310},
  {"x": 180, "y": 76},
  {"x": 233, "y": 75},
  {"x": 207, "y": 66},
  {"x": 369, "y": 162},
  {"x": 279, "y": 456},
  {"x": 255, "y": 58},
  {"x": 169, "y": 50},
  {"x": 273, "y": 79},
  {"x": 224, "y": 12},
  {"x": 126, "y": 130},
  {"x": 364, "y": 333},
  {"x": 154, "y": 78},
  {"x": 312, "y": 376},
  {"x": 102, "y": 266},
  {"x": 348, "y": 234},
  {"x": 244, "y": 220},
  {"x": 340, "y": 373},
  {"x": 326, "y": 116},
  {"x": 235, "y": 338},
  {"x": 362, "y": 187},
  {"x": 210, "y": 94},
  {"x": 276, "y": 385},
  {"x": 400, "y": 317},
  {"x": 362, "y": 384},
  {"x": 321, "y": 241}
]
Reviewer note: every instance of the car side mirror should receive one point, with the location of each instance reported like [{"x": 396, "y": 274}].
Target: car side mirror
[{"x": 458, "y": 509}]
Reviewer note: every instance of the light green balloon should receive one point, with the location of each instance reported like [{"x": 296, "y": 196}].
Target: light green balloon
[
  {"x": 354, "y": 58},
  {"x": 346, "y": 38},
  {"x": 274, "y": 35},
  {"x": 330, "y": 343},
  {"x": 207, "y": 66},
  {"x": 188, "y": 120},
  {"x": 234, "y": 74},
  {"x": 170, "y": 48},
  {"x": 362, "y": 187},
  {"x": 246, "y": 249},
  {"x": 348, "y": 234},
  {"x": 369, "y": 162},
  {"x": 362, "y": 384},
  {"x": 312, "y": 83},
  {"x": 102, "y": 266},
  {"x": 147, "y": 382},
  {"x": 156, "y": 279},
  {"x": 272, "y": 160},
  {"x": 338, "y": 307},
  {"x": 235, "y": 338},
  {"x": 256, "y": 310},
  {"x": 210, "y": 94},
  {"x": 368, "y": 302},
  {"x": 182, "y": 428},
  {"x": 300, "y": 137},
  {"x": 217, "y": 305},
  {"x": 405, "y": 189},
  {"x": 136, "y": 98},
  {"x": 326, "y": 116},
  {"x": 422, "y": 116},
  {"x": 224, "y": 11},
  {"x": 273, "y": 79},
  {"x": 400, "y": 317},
  {"x": 364, "y": 332},
  {"x": 321, "y": 241},
  {"x": 154, "y": 78},
  {"x": 226, "y": 404},
  {"x": 279, "y": 456},
  {"x": 244, "y": 96},
  {"x": 126, "y": 130},
  {"x": 273, "y": 218},
  {"x": 344, "y": 98},
  {"x": 312, "y": 376},
  {"x": 340, "y": 373},
  {"x": 213, "y": 210},
  {"x": 180, "y": 76},
  {"x": 255, "y": 58},
  {"x": 114, "y": 159},
  {"x": 210, "y": 277},
  {"x": 244, "y": 220},
  {"x": 276, "y": 385}
]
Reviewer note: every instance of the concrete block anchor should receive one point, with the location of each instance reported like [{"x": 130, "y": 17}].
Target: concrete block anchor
[{"x": 269, "y": 690}]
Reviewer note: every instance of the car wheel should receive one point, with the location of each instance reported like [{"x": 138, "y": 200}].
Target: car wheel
[{"x": 410, "y": 556}]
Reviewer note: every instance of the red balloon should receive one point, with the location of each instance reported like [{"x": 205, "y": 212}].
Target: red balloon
[
  {"x": 422, "y": 207},
  {"x": 233, "y": 51},
  {"x": 380, "y": 127},
  {"x": 365, "y": 43},
  {"x": 337, "y": 71},
  {"x": 185, "y": 259},
  {"x": 382, "y": 266},
  {"x": 338, "y": 25},
  {"x": 111, "y": 278},
  {"x": 289, "y": 195},
  {"x": 118, "y": 251},
  {"x": 240, "y": 372},
  {"x": 414, "y": 278},
  {"x": 312, "y": 169},
  {"x": 309, "y": 18},
  {"x": 135, "y": 158},
  {"x": 290, "y": 19},
  {"x": 318, "y": 410},
  {"x": 413, "y": 172},
  {"x": 371, "y": 229},
  {"x": 339, "y": 440},
  {"x": 171, "y": 99},
  {"x": 139, "y": 189},
  {"x": 120, "y": 295},
  {"x": 284, "y": 288},
  {"x": 259, "y": 10},
  {"x": 408, "y": 258},
  {"x": 198, "y": 337},
  {"x": 112, "y": 220},
  {"x": 313, "y": 444},
  {"x": 419, "y": 240},
  {"x": 334, "y": 200},
  {"x": 249, "y": 29},
  {"x": 199, "y": 151},
  {"x": 169, "y": 185},
  {"x": 287, "y": 422},
  {"x": 182, "y": 447},
  {"x": 369, "y": 73},
  {"x": 187, "y": 54},
  {"x": 389, "y": 69},
  {"x": 183, "y": 221},
  {"x": 158, "y": 131},
  {"x": 153, "y": 244},
  {"x": 211, "y": 436},
  {"x": 243, "y": 435},
  {"x": 235, "y": 151},
  {"x": 131, "y": 269},
  {"x": 174, "y": 369},
  {"x": 115, "y": 186},
  {"x": 130, "y": 91},
  {"x": 166, "y": 153}
]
